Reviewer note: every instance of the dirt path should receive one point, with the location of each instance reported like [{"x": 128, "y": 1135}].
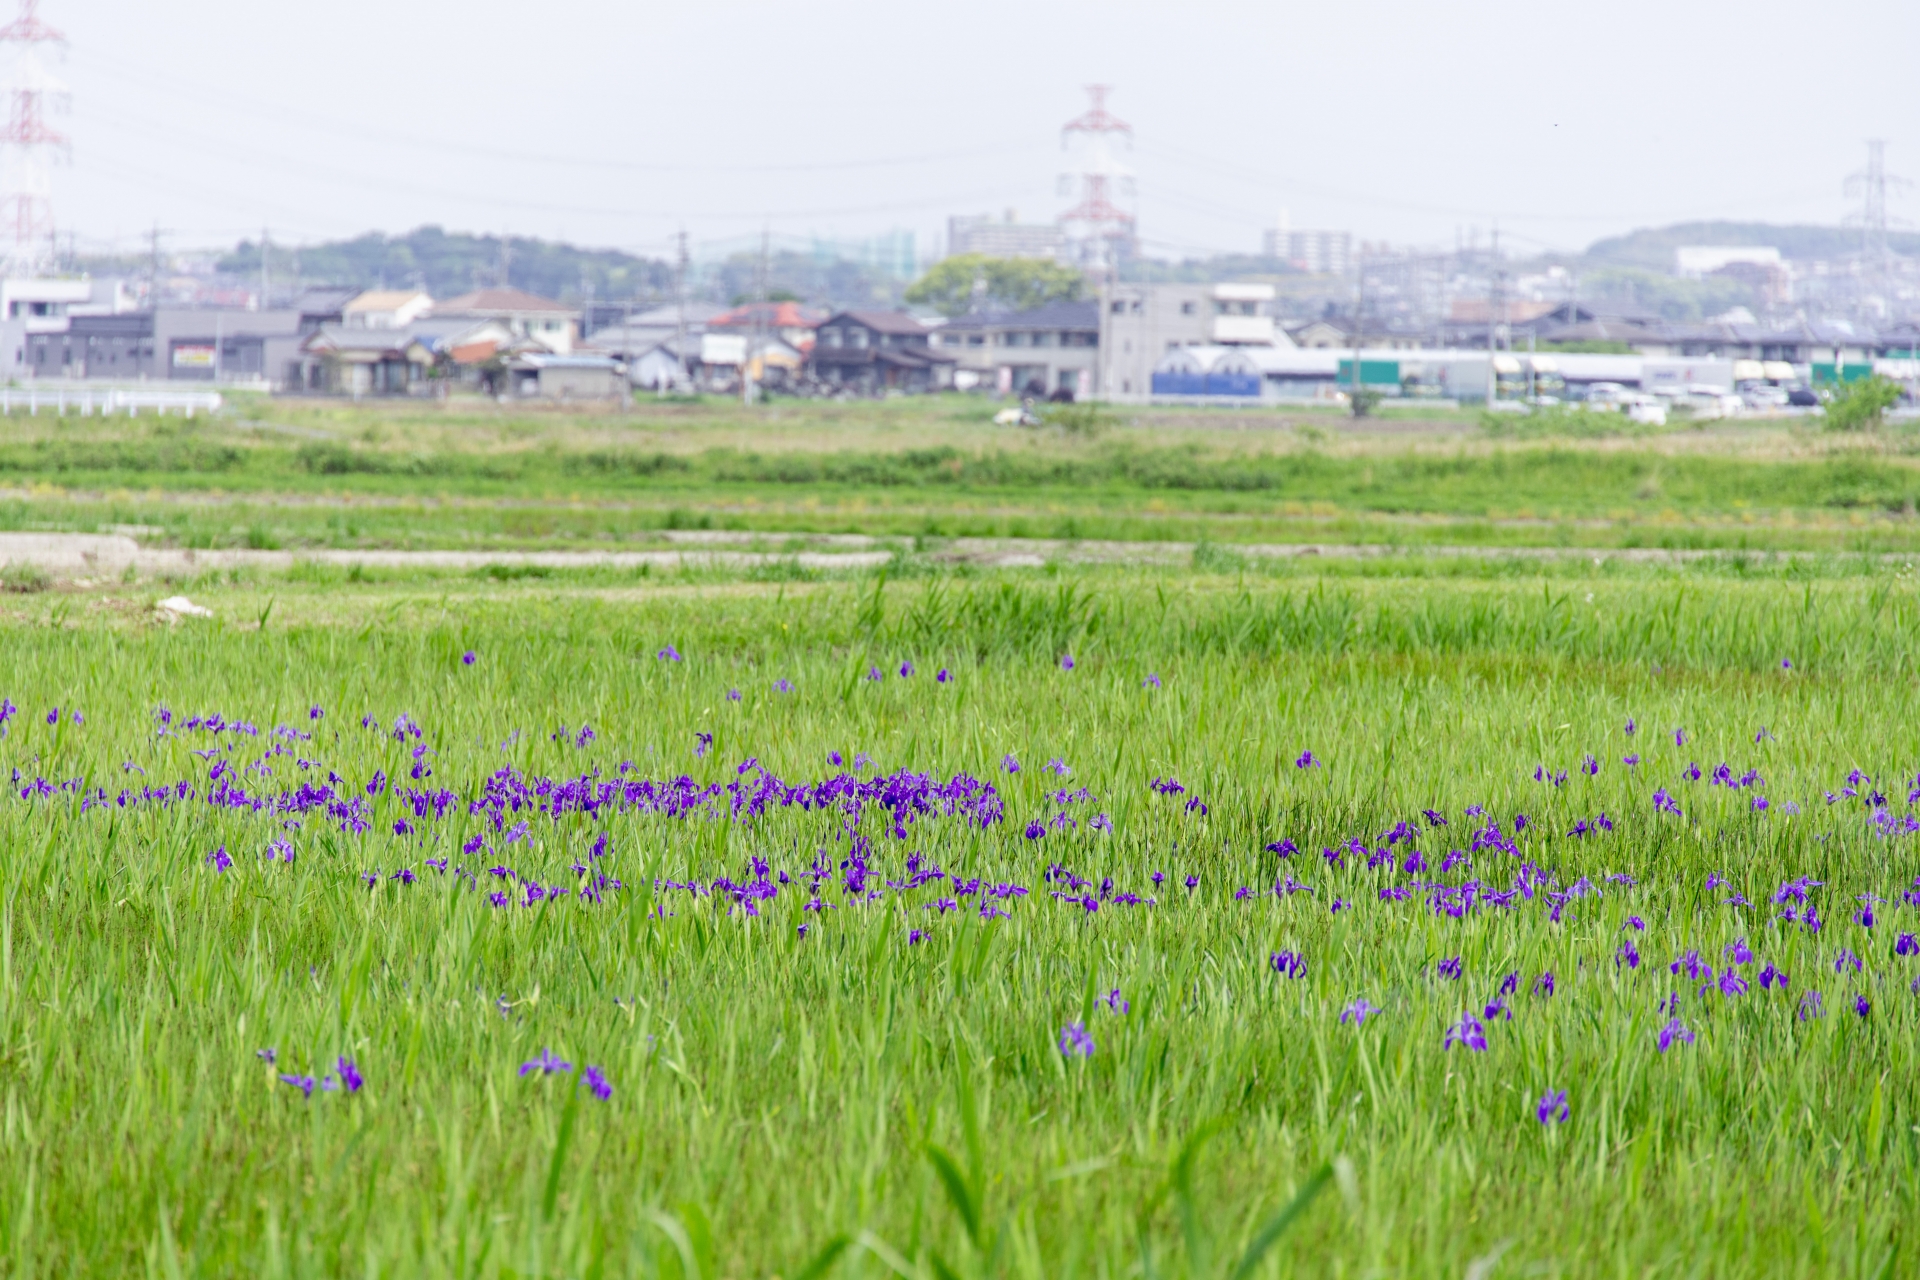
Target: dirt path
[{"x": 72, "y": 555}]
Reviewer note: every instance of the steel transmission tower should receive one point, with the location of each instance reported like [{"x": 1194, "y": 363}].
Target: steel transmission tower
[
  {"x": 1870, "y": 185},
  {"x": 26, "y": 164},
  {"x": 1107, "y": 230}
]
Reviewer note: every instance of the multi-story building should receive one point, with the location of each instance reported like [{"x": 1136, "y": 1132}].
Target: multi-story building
[
  {"x": 978, "y": 233},
  {"x": 1052, "y": 351},
  {"x": 1320, "y": 252},
  {"x": 1140, "y": 323}
]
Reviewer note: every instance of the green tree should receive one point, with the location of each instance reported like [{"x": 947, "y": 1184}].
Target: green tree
[
  {"x": 1859, "y": 405},
  {"x": 973, "y": 281}
]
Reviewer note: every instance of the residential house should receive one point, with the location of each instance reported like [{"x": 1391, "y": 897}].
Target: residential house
[
  {"x": 323, "y": 305},
  {"x": 790, "y": 322},
  {"x": 570, "y": 377},
  {"x": 385, "y": 309},
  {"x": 1048, "y": 351},
  {"x": 554, "y": 325},
  {"x": 872, "y": 352},
  {"x": 343, "y": 360}
]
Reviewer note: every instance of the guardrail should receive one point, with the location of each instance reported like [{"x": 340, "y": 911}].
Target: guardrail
[{"x": 105, "y": 403}]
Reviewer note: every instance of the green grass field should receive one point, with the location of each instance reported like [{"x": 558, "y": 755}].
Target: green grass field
[{"x": 683, "y": 828}]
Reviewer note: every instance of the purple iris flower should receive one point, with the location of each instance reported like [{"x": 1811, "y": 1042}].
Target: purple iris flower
[
  {"x": 1906, "y": 945},
  {"x": 1772, "y": 977},
  {"x": 546, "y": 1064},
  {"x": 1151, "y": 682},
  {"x": 1543, "y": 985},
  {"x": 1306, "y": 761},
  {"x": 315, "y": 713},
  {"x": 469, "y": 658},
  {"x": 1811, "y": 1006},
  {"x": 1066, "y": 662},
  {"x": 1862, "y": 1006},
  {"x": 1675, "y": 1031},
  {"x": 1631, "y": 727},
  {"x": 733, "y": 695},
  {"x": 783, "y": 685},
  {"x": 219, "y": 860},
  {"x": 1074, "y": 1038},
  {"x": 915, "y": 937},
  {"x": 596, "y": 1080},
  {"x": 1553, "y": 1107},
  {"x": 1288, "y": 964},
  {"x": 303, "y": 1083},
  {"x": 942, "y": 676},
  {"x": 668, "y": 654},
  {"x": 1467, "y": 1032},
  {"x": 1192, "y": 883},
  {"x": 1358, "y": 1011},
  {"x": 1115, "y": 1001},
  {"x": 1450, "y": 969},
  {"x": 349, "y": 1075},
  {"x": 1009, "y": 763}
]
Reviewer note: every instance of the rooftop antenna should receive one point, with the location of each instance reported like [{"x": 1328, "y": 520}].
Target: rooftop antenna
[{"x": 27, "y": 146}]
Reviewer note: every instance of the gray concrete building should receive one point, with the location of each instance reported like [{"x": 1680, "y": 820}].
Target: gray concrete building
[{"x": 1140, "y": 323}]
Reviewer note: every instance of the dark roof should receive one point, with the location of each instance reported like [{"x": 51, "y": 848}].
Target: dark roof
[
  {"x": 883, "y": 322},
  {"x": 1052, "y": 315},
  {"x": 323, "y": 301},
  {"x": 905, "y": 357}
]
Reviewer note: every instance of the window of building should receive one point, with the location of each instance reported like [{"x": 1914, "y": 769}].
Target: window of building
[
  {"x": 1186, "y": 308},
  {"x": 1119, "y": 307},
  {"x": 858, "y": 336}
]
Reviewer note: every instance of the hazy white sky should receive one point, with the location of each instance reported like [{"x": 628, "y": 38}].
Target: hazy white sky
[{"x": 618, "y": 123}]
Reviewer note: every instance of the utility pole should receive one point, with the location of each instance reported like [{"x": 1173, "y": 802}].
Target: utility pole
[
  {"x": 1496, "y": 307},
  {"x": 756, "y": 341},
  {"x": 153, "y": 280},
  {"x": 265, "y": 280},
  {"x": 680, "y": 300},
  {"x": 1359, "y": 306}
]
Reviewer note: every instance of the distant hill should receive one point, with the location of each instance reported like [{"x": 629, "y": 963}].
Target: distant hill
[
  {"x": 447, "y": 264},
  {"x": 1653, "y": 247}
]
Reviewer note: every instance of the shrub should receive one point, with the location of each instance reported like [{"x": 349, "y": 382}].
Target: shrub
[{"x": 1860, "y": 405}]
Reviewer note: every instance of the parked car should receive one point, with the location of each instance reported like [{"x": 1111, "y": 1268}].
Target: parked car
[{"x": 1803, "y": 398}]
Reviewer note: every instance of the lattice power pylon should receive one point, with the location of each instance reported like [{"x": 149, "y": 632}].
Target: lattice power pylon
[
  {"x": 1106, "y": 230},
  {"x": 28, "y": 145}
]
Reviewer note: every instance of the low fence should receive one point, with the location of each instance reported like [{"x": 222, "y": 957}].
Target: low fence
[{"x": 86, "y": 403}]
